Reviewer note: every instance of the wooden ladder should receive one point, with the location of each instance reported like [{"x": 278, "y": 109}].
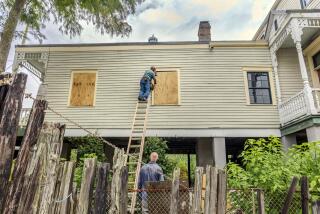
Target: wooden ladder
[{"x": 135, "y": 150}]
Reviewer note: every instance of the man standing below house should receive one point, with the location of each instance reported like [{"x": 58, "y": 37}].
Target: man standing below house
[
  {"x": 149, "y": 172},
  {"x": 145, "y": 83}
]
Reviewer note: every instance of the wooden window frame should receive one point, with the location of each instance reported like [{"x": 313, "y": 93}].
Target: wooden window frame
[
  {"x": 179, "y": 95},
  {"x": 268, "y": 70},
  {"x": 71, "y": 83}
]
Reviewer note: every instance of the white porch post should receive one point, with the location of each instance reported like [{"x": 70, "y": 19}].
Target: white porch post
[
  {"x": 296, "y": 33},
  {"x": 274, "y": 61}
]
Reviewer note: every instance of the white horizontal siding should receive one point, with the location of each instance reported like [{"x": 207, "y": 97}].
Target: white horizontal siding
[
  {"x": 289, "y": 5},
  {"x": 314, "y": 4},
  {"x": 212, "y": 88},
  {"x": 289, "y": 72}
]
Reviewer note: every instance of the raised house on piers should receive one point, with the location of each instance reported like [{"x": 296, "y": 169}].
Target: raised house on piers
[{"x": 211, "y": 95}]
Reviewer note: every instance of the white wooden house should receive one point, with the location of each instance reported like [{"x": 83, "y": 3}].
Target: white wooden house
[{"x": 211, "y": 95}]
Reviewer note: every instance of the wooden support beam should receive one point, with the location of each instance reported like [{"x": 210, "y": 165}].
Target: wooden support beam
[
  {"x": 286, "y": 206},
  {"x": 174, "y": 202},
  {"x": 84, "y": 202},
  {"x": 30, "y": 138},
  {"x": 100, "y": 198},
  {"x": 304, "y": 195},
  {"x": 8, "y": 131}
]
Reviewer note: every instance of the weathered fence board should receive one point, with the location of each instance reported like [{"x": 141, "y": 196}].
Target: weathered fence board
[
  {"x": 316, "y": 207},
  {"x": 100, "y": 198},
  {"x": 260, "y": 198},
  {"x": 3, "y": 91},
  {"x": 64, "y": 189},
  {"x": 119, "y": 161},
  {"x": 211, "y": 190},
  {"x": 290, "y": 194},
  {"x": 34, "y": 181},
  {"x": 222, "y": 192},
  {"x": 123, "y": 198},
  {"x": 174, "y": 205},
  {"x": 304, "y": 195},
  {"x": 29, "y": 140},
  {"x": 196, "y": 205},
  {"x": 8, "y": 130},
  {"x": 86, "y": 190},
  {"x": 50, "y": 169}
]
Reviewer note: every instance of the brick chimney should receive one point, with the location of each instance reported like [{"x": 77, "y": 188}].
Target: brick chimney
[{"x": 204, "y": 32}]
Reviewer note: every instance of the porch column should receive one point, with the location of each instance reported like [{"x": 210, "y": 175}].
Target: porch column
[
  {"x": 313, "y": 133},
  {"x": 296, "y": 33},
  {"x": 288, "y": 141},
  {"x": 219, "y": 152},
  {"x": 274, "y": 61}
]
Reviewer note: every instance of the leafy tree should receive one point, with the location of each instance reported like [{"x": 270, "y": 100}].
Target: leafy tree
[
  {"x": 85, "y": 147},
  {"x": 155, "y": 144},
  {"x": 108, "y": 16}
]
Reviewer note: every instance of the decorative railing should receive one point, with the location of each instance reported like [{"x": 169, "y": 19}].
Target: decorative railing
[
  {"x": 24, "y": 117},
  {"x": 294, "y": 108},
  {"x": 316, "y": 97}
]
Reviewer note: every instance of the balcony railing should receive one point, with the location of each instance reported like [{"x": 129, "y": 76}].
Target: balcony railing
[
  {"x": 296, "y": 107},
  {"x": 24, "y": 117}
]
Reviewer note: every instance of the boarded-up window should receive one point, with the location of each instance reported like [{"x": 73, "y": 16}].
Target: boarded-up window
[
  {"x": 83, "y": 89},
  {"x": 167, "y": 89}
]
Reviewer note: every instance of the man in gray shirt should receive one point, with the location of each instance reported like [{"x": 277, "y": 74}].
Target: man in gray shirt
[{"x": 149, "y": 172}]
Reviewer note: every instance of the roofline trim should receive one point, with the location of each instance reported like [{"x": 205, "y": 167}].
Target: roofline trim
[{"x": 135, "y": 46}]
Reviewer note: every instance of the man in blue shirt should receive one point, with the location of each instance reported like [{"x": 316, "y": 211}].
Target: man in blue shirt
[
  {"x": 149, "y": 172},
  {"x": 145, "y": 83}
]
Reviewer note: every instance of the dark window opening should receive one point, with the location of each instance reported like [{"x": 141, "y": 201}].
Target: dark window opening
[
  {"x": 259, "y": 88},
  {"x": 316, "y": 61},
  {"x": 276, "y": 25}
]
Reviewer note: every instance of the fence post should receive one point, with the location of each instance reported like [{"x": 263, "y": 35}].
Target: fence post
[
  {"x": 196, "y": 206},
  {"x": 260, "y": 198},
  {"x": 8, "y": 131},
  {"x": 30, "y": 138},
  {"x": 84, "y": 202},
  {"x": 100, "y": 198},
  {"x": 304, "y": 195},
  {"x": 74, "y": 199},
  {"x": 290, "y": 194},
  {"x": 34, "y": 180},
  {"x": 222, "y": 191},
  {"x": 174, "y": 202}
]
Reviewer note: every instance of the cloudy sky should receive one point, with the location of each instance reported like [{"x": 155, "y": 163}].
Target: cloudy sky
[{"x": 176, "y": 20}]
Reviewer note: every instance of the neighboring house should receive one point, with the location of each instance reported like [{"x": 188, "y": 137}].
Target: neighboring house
[{"x": 210, "y": 97}]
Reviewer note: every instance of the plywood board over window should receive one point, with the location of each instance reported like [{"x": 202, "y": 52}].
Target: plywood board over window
[
  {"x": 167, "y": 89},
  {"x": 83, "y": 88}
]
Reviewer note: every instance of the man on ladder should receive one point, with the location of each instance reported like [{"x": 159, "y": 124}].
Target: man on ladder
[{"x": 146, "y": 83}]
